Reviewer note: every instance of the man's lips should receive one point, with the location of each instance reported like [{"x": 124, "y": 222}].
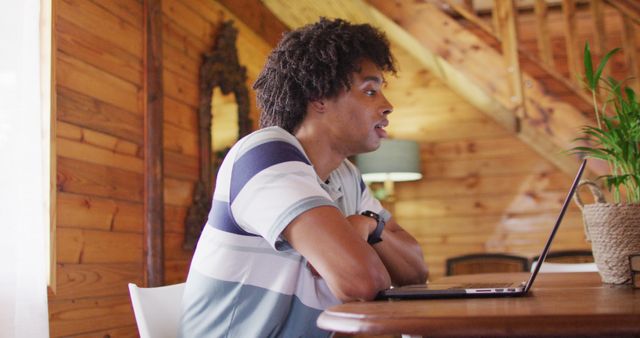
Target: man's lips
[{"x": 379, "y": 128}]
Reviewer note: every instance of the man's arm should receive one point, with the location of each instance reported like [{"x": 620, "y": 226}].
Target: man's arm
[
  {"x": 335, "y": 248},
  {"x": 399, "y": 251},
  {"x": 402, "y": 255}
]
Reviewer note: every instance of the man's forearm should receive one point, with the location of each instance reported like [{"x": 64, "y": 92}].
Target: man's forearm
[{"x": 402, "y": 256}]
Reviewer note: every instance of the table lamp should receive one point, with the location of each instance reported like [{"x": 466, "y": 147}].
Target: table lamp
[{"x": 394, "y": 161}]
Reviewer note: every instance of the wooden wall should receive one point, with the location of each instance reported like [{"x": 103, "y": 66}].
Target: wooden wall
[
  {"x": 483, "y": 189},
  {"x": 98, "y": 64},
  {"x": 99, "y": 71}
]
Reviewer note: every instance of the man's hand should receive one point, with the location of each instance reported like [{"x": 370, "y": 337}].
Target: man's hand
[
  {"x": 401, "y": 255},
  {"x": 399, "y": 251}
]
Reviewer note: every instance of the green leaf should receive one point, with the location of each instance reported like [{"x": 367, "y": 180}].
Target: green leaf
[
  {"x": 616, "y": 138},
  {"x": 603, "y": 62},
  {"x": 588, "y": 67}
]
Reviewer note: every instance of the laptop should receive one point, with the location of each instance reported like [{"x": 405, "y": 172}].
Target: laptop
[{"x": 426, "y": 291}]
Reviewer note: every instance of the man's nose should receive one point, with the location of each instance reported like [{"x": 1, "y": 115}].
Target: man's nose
[{"x": 387, "y": 107}]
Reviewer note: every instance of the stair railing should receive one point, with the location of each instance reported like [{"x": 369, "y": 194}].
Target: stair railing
[{"x": 503, "y": 26}]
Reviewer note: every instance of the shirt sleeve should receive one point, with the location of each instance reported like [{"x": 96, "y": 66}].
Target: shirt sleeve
[
  {"x": 368, "y": 202},
  {"x": 272, "y": 184}
]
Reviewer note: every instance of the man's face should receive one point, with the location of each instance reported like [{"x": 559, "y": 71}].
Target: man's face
[{"x": 358, "y": 116}]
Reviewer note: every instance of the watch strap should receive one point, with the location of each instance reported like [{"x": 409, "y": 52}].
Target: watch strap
[{"x": 376, "y": 235}]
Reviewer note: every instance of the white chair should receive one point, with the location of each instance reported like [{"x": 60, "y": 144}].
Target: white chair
[
  {"x": 565, "y": 267},
  {"x": 157, "y": 310}
]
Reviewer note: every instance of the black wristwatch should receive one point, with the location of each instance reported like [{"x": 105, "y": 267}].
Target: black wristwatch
[{"x": 375, "y": 236}]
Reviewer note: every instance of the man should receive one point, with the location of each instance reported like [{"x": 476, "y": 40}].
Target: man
[{"x": 293, "y": 228}]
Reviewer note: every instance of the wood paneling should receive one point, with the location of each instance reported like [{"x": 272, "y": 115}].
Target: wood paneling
[
  {"x": 180, "y": 140},
  {"x": 93, "y": 114},
  {"x": 96, "y": 139},
  {"x": 77, "y": 281},
  {"x": 86, "y": 152},
  {"x": 178, "y": 12},
  {"x": 95, "y": 246},
  {"x": 178, "y": 192},
  {"x": 97, "y": 180},
  {"x": 180, "y": 114},
  {"x": 98, "y": 52},
  {"x": 94, "y": 18},
  {"x": 483, "y": 189},
  {"x": 98, "y": 83},
  {"x": 180, "y": 88},
  {"x": 98, "y": 71},
  {"x": 180, "y": 166},
  {"x": 97, "y": 213},
  {"x": 83, "y": 316}
]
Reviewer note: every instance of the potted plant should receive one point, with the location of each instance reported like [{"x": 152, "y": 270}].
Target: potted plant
[{"x": 612, "y": 228}]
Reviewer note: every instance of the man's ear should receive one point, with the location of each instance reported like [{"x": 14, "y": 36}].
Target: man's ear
[{"x": 317, "y": 105}]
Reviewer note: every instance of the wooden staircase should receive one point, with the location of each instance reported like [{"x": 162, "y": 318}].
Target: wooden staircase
[
  {"x": 482, "y": 60},
  {"x": 528, "y": 96},
  {"x": 501, "y": 34}
]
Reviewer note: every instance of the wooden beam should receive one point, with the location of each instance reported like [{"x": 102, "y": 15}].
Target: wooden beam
[
  {"x": 597, "y": 13},
  {"x": 153, "y": 124},
  {"x": 494, "y": 20},
  {"x": 460, "y": 60},
  {"x": 506, "y": 13},
  {"x": 599, "y": 32},
  {"x": 550, "y": 69},
  {"x": 257, "y": 16},
  {"x": 629, "y": 49},
  {"x": 550, "y": 125},
  {"x": 491, "y": 98},
  {"x": 630, "y": 8},
  {"x": 469, "y": 5},
  {"x": 569, "y": 16},
  {"x": 545, "y": 51},
  {"x": 469, "y": 14}
]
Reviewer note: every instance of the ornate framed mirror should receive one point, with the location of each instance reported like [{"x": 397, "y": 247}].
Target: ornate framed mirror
[{"x": 223, "y": 118}]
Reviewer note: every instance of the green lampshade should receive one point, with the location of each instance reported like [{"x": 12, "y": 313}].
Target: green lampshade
[{"x": 395, "y": 160}]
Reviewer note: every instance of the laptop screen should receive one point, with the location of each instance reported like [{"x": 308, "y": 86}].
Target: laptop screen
[{"x": 565, "y": 205}]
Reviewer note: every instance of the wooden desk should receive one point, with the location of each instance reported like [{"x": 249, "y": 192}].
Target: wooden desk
[{"x": 552, "y": 308}]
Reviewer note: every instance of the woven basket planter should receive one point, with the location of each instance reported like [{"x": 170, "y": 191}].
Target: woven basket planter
[{"x": 614, "y": 233}]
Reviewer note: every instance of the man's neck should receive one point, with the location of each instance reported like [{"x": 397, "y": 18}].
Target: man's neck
[{"x": 318, "y": 148}]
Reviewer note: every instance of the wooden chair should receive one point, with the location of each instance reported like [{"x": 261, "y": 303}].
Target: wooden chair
[
  {"x": 568, "y": 256},
  {"x": 486, "y": 263}
]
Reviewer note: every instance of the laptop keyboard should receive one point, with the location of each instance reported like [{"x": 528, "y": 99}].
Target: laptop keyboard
[{"x": 483, "y": 285}]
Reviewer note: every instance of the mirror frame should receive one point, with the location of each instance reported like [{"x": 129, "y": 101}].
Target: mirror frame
[{"x": 220, "y": 68}]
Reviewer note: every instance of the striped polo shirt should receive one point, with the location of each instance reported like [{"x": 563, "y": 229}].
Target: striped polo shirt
[{"x": 245, "y": 280}]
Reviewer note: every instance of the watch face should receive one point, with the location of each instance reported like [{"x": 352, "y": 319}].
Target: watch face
[{"x": 371, "y": 214}]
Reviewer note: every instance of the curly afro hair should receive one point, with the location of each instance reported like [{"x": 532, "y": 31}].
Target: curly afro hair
[{"x": 315, "y": 62}]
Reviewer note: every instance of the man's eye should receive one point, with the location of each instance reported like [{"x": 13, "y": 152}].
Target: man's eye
[{"x": 370, "y": 92}]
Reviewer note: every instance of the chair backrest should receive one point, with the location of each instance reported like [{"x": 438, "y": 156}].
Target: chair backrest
[
  {"x": 565, "y": 267},
  {"x": 568, "y": 256},
  {"x": 486, "y": 263},
  {"x": 157, "y": 310}
]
